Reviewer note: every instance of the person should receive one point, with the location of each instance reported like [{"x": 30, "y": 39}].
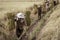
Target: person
[
  {"x": 47, "y": 5},
  {"x": 19, "y": 23},
  {"x": 55, "y": 3},
  {"x": 48, "y": 1},
  {"x": 39, "y": 12}
]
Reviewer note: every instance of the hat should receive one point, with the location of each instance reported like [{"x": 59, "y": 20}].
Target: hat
[{"x": 20, "y": 15}]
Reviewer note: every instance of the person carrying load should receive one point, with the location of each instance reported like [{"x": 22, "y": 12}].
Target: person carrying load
[
  {"x": 47, "y": 2},
  {"x": 39, "y": 11},
  {"x": 20, "y": 22},
  {"x": 55, "y": 2}
]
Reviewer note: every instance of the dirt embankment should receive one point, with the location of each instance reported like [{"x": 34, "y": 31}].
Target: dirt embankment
[{"x": 51, "y": 29}]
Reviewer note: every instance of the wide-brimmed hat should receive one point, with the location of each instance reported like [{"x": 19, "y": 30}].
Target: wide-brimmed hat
[{"x": 20, "y": 15}]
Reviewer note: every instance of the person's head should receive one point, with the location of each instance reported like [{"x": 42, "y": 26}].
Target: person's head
[{"x": 20, "y": 15}]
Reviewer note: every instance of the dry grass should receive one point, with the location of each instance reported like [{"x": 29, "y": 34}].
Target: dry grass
[{"x": 49, "y": 32}]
